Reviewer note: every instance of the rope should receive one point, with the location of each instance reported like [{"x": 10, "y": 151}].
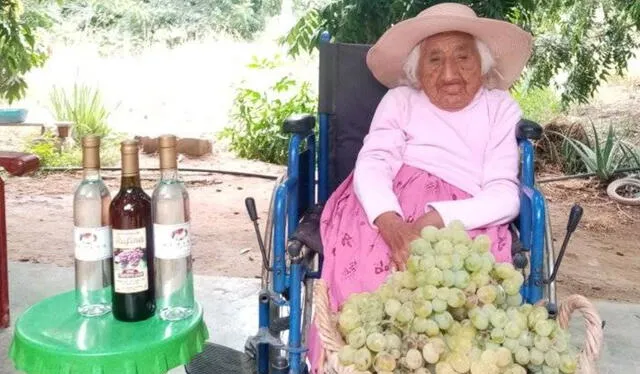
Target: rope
[{"x": 594, "y": 333}]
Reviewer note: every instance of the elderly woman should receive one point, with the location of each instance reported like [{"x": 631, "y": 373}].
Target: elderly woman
[{"x": 441, "y": 147}]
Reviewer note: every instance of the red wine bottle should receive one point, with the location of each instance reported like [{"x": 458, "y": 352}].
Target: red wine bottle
[{"x": 132, "y": 235}]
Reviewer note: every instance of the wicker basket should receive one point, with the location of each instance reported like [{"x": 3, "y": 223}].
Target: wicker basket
[{"x": 332, "y": 341}]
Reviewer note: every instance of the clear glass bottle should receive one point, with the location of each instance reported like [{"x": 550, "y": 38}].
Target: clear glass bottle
[
  {"x": 172, "y": 238},
  {"x": 92, "y": 235}
]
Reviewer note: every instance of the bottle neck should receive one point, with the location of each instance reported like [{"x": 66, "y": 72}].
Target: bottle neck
[
  {"x": 130, "y": 181},
  {"x": 91, "y": 174},
  {"x": 169, "y": 175}
]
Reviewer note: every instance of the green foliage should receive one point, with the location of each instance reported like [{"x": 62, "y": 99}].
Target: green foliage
[
  {"x": 51, "y": 154},
  {"x": 19, "y": 50},
  {"x": 539, "y": 104},
  {"x": 604, "y": 156},
  {"x": 259, "y": 115},
  {"x": 84, "y": 107},
  {"x": 589, "y": 40},
  {"x": 136, "y": 24}
]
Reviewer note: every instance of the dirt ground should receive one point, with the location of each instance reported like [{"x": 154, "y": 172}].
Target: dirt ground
[{"x": 601, "y": 260}]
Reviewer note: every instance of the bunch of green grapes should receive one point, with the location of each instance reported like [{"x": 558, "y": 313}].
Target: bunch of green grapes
[{"x": 453, "y": 311}]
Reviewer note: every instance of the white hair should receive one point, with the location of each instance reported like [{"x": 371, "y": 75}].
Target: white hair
[{"x": 411, "y": 64}]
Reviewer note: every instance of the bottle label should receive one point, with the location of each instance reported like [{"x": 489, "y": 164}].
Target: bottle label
[
  {"x": 172, "y": 241},
  {"x": 92, "y": 243},
  {"x": 130, "y": 261}
]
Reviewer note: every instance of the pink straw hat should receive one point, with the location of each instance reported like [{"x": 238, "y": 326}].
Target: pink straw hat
[{"x": 510, "y": 45}]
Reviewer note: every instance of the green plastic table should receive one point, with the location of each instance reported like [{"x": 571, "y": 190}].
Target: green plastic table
[{"x": 52, "y": 338}]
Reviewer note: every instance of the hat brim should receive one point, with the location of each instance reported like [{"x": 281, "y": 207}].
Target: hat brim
[{"x": 510, "y": 46}]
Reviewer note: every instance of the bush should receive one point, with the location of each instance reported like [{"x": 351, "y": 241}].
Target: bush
[
  {"x": 538, "y": 104},
  {"x": 258, "y": 116}
]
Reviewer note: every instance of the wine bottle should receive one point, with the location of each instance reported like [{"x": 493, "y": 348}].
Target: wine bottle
[
  {"x": 92, "y": 235},
  {"x": 172, "y": 238},
  {"x": 132, "y": 233}
]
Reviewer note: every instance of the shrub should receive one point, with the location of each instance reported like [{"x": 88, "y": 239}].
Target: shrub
[{"x": 258, "y": 116}]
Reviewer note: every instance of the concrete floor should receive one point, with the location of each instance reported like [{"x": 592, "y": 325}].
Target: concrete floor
[{"x": 230, "y": 307}]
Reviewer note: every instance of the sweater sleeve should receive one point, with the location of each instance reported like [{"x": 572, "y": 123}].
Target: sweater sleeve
[
  {"x": 498, "y": 201},
  {"x": 380, "y": 158}
]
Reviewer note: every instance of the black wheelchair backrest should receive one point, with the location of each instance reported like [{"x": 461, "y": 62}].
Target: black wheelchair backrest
[{"x": 349, "y": 94}]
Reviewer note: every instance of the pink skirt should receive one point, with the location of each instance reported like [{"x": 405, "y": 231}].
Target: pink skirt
[{"x": 356, "y": 258}]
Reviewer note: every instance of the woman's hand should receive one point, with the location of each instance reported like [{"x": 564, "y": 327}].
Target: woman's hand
[
  {"x": 398, "y": 235},
  {"x": 431, "y": 218}
]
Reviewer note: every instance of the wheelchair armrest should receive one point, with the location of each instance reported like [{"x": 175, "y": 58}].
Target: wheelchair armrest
[
  {"x": 299, "y": 124},
  {"x": 308, "y": 230},
  {"x": 528, "y": 129}
]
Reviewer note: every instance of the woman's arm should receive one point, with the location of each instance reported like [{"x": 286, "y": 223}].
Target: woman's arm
[
  {"x": 499, "y": 200},
  {"x": 381, "y": 157}
]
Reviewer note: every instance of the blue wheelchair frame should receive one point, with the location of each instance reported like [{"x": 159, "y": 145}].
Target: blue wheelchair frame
[{"x": 298, "y": 192}]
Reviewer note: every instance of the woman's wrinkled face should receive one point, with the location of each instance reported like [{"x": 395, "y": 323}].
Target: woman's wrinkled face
[{"x": 450, "y": 70}]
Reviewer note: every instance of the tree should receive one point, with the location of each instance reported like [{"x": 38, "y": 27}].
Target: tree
[
  {"x": 588, "y": 40},
  {"x": 19, "y": 50}
]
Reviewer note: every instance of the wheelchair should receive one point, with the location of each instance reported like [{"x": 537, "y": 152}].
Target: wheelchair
[{"x": 292, "y": 250}]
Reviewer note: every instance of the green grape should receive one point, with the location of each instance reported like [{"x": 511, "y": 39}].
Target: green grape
[
  {"x": 419, "y": 246},
  {"x": 489, "y": 356},
  {"x": 444, "y": 247},
  {"x": 409, "y": 280},
  {"x": 456, "y": 298},
  {"x": 439, "y": 305},
  {"x": 504, "y": 270},
  {"x": 404, "y": 295},
  {"x": 462, "y": 250},
  {"x": 461, "y": 279},
  {"x": 427, "y": 262},
  {"x": 429, "y": 233},
  {"x": 460, "y": 237},
  {"x": 384, "y": 361},
  {"x": 457, "y": 262},
  {"x": 422, "y": 279},
  {"x": 419, "y": 324},
  {"x": 501, "y": 296},
  {"x": 422, "y": 308},
  {"x": 560, "y": 341},
  {"x": 515, "y": 369},
  {"x": 413, "y": 263},
  {"x": 417, "y": 371},
  {"x": 416, "y": 295},
  {"x": 514, "y": 300},
  {"x": 434, "y": 276},
  {"x": 386, "y": 292},
  {"x": 503, "y": 357},
  {"x": 489, "y": 345},
  {"x": 512, "y": 330},
  {"x": 362, "y": 359},
  {"x": 443, "y": 293},
  {"x": 536, "y": 314},
  {"x": 543, "y": 343},
  {"x": 471, "y": 288},
  {"x": 497, "y": 335},
  {"x": 472, "y": 302},
  {"x": 413, "y": 359},
  {"x": 346, "y": 355},
  {"x": 430, "y": 353},
  {"x": 526, "y": 339},
  {"x": 536, "y": 356},
  {"x": 487, "y": 262},
  {"x": 568, "y": 364},
  {"x": 459, "y": 362},
  {"x": 480, "y": 320},
  {"x": 392, "y": 307},
  {"x": 543, "y": 327},
  {"x": 513, "y": 284},
  {"x": 448, "y": 278},
  {"x": 357, "y": 337},
  {"x": 432, "y": 328},
  {"x": 552, "y": 359},
  {"x": 443, "y": 261},
  {"x": 499, "y": 318},
  {"x": 479, "y": 367},
  {"x": 393, "y": 341},
  {"x": 511, "y": 344},
  {"x": 473, "y": 262},
  {"x": 521, "y": 355},
  {"x": 376, "y": 342},
  {"x": 487, "y": 294},
  {"x": 444, "y": 320},
  {"x": 429, "y": 292},
  {"x": 481, "y": 243},
  {"x": 550, "y": 370},
  {"x": 480, "y": 279},
  {"x": 348, "y": 320},
  {"x": 456, "y": 224},
  {"x": 405, "y": 314}
]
